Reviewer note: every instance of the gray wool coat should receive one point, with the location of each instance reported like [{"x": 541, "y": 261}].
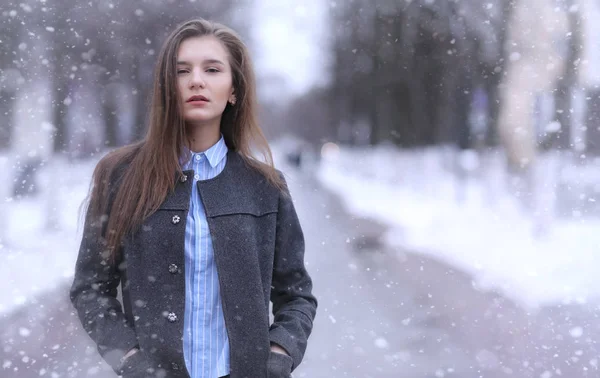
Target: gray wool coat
[{"x": 259, "y": 253}]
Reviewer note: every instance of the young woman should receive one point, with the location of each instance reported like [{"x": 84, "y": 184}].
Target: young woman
[{"x": 200, "y": 233}]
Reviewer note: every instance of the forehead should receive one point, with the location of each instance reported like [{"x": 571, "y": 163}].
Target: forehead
[{"x": 197, "y": 49}]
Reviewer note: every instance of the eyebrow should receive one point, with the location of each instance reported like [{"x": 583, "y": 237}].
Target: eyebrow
[{"x": 209, "y": 61}]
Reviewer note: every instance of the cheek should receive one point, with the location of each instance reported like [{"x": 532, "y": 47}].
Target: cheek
[
  {"x": 226, "y": 94},
  {"x": 179, "y": 88},
  {"x": 226, "y": 87}
]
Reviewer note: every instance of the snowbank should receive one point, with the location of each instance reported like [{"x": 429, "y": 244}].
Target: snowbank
[
  {"x": 474, "y": 225},
  {"x": 38, "y": 254}
]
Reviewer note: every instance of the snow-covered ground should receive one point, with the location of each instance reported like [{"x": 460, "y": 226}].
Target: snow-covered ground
[
  {"x": 37, "y": 256},
  {"x": 475, "y": 226}
]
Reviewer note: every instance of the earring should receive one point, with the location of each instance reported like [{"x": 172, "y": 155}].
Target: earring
[{"x": 232, "y": 100}]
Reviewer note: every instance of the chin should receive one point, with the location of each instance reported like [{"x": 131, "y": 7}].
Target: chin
[{"x": 199, "y": 117}]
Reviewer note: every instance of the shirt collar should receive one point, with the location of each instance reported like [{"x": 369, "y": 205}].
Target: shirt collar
[{"x": 214, "y": 154}]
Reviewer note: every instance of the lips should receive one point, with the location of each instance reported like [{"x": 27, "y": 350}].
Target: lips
[{"x": 197, "y": 98}]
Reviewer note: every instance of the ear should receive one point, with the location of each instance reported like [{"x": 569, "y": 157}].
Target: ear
[{"x": 232, "y": 98}]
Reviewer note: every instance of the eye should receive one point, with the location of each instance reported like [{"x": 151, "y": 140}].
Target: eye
[
  {"x": 181, "y": 71},
  {"x": 212, "y": 70}
]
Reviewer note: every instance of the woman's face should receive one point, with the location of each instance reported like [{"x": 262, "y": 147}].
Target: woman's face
[{"x": 204, "y": 78}]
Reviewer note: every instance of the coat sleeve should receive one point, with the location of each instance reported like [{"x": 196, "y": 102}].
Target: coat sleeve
[
  {"x": 294, "y": 305},
  {"x": 94, "y": 295}
]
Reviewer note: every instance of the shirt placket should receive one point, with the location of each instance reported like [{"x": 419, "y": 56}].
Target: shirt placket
[{"x": 202, "y": 264}]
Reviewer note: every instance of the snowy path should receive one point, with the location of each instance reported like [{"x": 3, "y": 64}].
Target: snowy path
[
  {"x": 384, "y": 313},
  {"x": 475, "y": 224}
]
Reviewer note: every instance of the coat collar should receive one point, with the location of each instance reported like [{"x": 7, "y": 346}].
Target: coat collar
[{"x": 239, "y": 188}]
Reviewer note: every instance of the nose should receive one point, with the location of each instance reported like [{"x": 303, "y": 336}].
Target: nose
[{"x": 196, "y": 79}]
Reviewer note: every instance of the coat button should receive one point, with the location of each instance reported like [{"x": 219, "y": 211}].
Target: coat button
[
  {"x": 183, "y": 178},
  {"x": 173, "y": 268},
  {"x": 176, "y": 219},
  {"x": 172, "y": 317}
]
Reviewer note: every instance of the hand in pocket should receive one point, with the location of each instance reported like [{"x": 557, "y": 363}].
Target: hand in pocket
[
  {"x": 136, "y": 366},
  {"x": 279, "y": 365}
]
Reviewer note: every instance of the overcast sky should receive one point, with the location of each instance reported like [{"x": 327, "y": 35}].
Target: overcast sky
[{"x": 289, "y": 40}]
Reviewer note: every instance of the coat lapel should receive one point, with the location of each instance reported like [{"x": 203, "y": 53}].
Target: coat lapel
[{"x": 239, "y": 189}]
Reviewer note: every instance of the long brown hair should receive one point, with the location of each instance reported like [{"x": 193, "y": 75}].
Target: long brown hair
[{"x": 151, "y": 165}]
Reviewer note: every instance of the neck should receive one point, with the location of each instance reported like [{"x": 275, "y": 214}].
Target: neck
[{"x": 203, "y": 136}]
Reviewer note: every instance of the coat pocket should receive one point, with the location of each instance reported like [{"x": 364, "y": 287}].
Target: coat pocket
[{"x": 279, "y": 365}]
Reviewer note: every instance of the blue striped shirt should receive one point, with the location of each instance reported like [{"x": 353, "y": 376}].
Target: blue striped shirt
[{"x": 205, "y": 341}]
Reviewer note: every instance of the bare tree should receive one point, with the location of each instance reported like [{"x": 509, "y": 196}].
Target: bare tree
[
  {"x": 568, "y": 79},
  {"x": 408, "y": 69},
  {"x": 534, "y": 67},
  {"x": 9, "y": 78}
]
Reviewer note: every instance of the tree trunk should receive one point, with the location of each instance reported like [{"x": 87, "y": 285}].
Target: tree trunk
[
  {"x": 60, "y": 90},
  {"x": 592, "y": 121},
  {"x": 111, "y": 121},
  {"x": 7, "y": 104},
  {"x": 142, "y": 101},
  {"x": 493, "y": 80},
  {"x": 60, "y": 138},
  {"x": 564, "y": 94}
]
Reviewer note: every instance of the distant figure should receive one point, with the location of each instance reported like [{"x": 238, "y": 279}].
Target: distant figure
[
  {"x": 295, "y": 158},
  {"x": 199, "y": 233}
]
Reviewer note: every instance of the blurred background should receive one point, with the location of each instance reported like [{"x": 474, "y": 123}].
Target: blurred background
[{"x": 443, "y": 156}]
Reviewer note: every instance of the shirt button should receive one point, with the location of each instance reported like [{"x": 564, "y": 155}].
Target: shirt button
[
  {"x": 198, "y": 157},
  {"x": 197, "y": 176},
  {"x": 173, "y": 268}
]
